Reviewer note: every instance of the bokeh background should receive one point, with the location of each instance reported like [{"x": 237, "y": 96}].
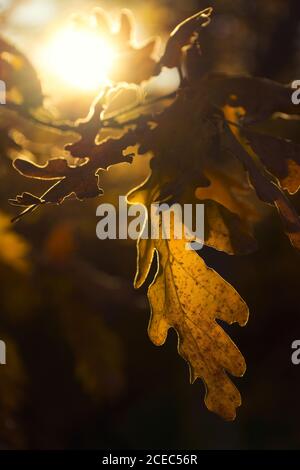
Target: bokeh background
[{"x": 81, "y": 372}]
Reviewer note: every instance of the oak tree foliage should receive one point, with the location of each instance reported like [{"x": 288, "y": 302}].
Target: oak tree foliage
[{"x": 208, "y": 145}]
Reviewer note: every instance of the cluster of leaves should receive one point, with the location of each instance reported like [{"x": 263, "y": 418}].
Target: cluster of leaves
[{"x": 208, "y": 144}]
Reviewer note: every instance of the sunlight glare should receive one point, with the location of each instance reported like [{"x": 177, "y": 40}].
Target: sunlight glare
[{"x": 78, "y": 57}]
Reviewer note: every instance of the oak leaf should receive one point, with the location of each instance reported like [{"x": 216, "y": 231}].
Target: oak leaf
[
  {"x": 135, "y": 63},
  {"x": 265, "y": 186},
  {"x": 281, "y": 157},
  {"x": 190, "y": 297},
  {"x": 182, "y": 37}
]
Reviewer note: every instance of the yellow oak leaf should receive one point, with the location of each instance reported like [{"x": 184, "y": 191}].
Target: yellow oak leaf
[{"x": 190, "y": 297}]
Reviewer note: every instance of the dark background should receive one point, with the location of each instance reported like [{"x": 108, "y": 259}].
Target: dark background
[{"x": 81, "y": 370}]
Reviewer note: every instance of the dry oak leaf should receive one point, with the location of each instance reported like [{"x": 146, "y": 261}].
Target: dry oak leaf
[
  {"x": 190, "y": 297},
  {"x": 225, "y": 231},
  {"x": 259, "y": 97},
  {"x": 135, "y": 63},
  {"x": 281, "y": 157},
  {"x": 183, "y": 36},
  {"x": 79, "y": 180},
  {"x": 265, "y": 187},
  {"x": 231, "y": 208},
  {"x": 72, "y": 179}
]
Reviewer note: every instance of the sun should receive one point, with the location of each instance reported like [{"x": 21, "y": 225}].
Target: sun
[{"x": 79, "y": 58}]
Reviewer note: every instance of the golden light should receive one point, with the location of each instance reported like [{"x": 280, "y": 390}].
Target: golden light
[{"x": 78, "y": 57}]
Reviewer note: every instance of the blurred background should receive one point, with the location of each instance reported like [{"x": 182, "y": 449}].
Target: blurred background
[{"x": 81, "y": 372}]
